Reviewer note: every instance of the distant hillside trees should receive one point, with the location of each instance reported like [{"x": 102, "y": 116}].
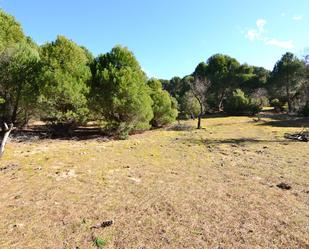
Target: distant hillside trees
[
  {"x": 303, "y": 97},
  {"x": 222, "y": 71},
  {"x": 287, "y": 78}
]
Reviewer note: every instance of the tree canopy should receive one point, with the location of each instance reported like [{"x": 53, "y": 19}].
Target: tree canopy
[
  {"x": 10, "y": 31},
  {"x": 119, "y": 91},
  {"x": 65, "y": 75},
  {"x": 164, "y": 106},
  {"x": 287, "y": 76},
  {"x": 19, "y": 89},
  {"x": 62, "y": 83}
]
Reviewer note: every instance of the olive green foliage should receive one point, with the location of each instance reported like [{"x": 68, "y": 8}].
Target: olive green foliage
[
  {"x": 119, "y": 92},
  {"x": 287, "y": 77},
  {"x": 18, "y": 66},
  {"x": 251, "y": 78},
  {"x": 277, "y": 104},
  {"x": 65, "y": 74},
  {"x": 222, "y": 71},
  {"x": 239, "y": 104},
  {"x": 164, "y": 106},
  {"x": 99, "y": 242},
  {"x": 190, "y": 106},
  {"x": 227, "y": 74},
  {"x": 19, "y": 88},
  {"x": 62, "y": 83},
  {"x": 10, "y": 31}
]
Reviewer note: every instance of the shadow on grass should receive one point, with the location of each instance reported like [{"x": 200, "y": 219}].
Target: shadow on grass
[
  {"x": 42, "y": 132},
  {"x": 235, "y": 141},
  {"x": 285, "y": 121}
]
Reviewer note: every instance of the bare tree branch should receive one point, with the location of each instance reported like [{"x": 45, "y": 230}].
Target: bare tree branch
[{"x": 199, "y": 87}]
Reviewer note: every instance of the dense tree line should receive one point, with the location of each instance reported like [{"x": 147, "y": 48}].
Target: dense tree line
[
  {"x": 241, "y": 89},
  {"x": 63, "y": 84}
]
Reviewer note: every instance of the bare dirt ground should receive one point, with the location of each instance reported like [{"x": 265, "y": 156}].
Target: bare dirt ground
[{"x": 210, "y": 188}]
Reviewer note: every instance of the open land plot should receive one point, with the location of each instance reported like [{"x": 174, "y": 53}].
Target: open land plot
[{"x": 166, "y": 188}]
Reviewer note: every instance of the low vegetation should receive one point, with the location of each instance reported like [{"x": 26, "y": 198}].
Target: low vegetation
[
  {"x": 81, "y": 172},
  {"x": 167, "y": 188}
]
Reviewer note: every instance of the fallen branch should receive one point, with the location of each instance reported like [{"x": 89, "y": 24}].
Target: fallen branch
[
  {"x": 6, "y": 133},
  {"x": 302, "y": 136}
]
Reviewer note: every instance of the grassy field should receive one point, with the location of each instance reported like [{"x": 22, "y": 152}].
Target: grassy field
[{"x": 167, "y": 188}]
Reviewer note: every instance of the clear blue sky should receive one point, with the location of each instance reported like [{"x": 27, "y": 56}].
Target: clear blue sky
[{"x": 170, "y": 37}]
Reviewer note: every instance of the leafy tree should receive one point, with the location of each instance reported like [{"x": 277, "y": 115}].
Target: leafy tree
[
  {"x": 287, "y": 76},
  {"x": 239, "y": 104},
  {"x": 120, "y": 93},
  {"x": 303, "y": 91},
  {"x": 65, "y": 74},
  {"x": 222, "y": 71},
  {"x": 19, "y": 88},
  {"x": 10, "y": 31},
  {"x": 199, "y": 87},
  {"x": 189, "y": 105},
  {"x": 164, "y": 106},
  {"x": 176, "y": 87},
  {"x": 201, "y": 70}
]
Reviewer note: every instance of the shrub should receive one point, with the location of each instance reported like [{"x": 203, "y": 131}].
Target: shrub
[
  {"x": 190, "y": 106},
  {"x": 164, "y": 107},
  {"x": 277, "y": 104},
  {"x": 99, "y": 242},
  {"x": 239, "y": 104}
]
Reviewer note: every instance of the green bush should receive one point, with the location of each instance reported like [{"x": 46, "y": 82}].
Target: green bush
[
  {"x": 190, "y": 106},
  {"x": 99, "y": 242},
  {"x": 277, "y": 104},
  {"x": 239, "y": 104},
  {"x": 164, "y": 107}
]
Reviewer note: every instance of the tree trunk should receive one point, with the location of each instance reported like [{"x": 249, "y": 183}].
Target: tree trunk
[
  {"x": 220, "y": 101},
  {"x": 6, "y": 133},
  {"x": 15, "y": 109},
  {"x": 199, "y": 122},
  {"x": 289, "y": 98}
]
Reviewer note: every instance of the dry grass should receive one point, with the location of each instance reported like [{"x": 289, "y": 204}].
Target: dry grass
[{"x": 212, "y": 188}]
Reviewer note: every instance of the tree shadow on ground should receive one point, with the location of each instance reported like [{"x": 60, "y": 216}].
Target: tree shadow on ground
[
  {"x": 287, "y": 122},
  {"x": 42, "y": 132},
  {"x": 235, "y": 141}
]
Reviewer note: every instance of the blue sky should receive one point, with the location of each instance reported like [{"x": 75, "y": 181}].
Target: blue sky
[{"x": 170, "y": 37}]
